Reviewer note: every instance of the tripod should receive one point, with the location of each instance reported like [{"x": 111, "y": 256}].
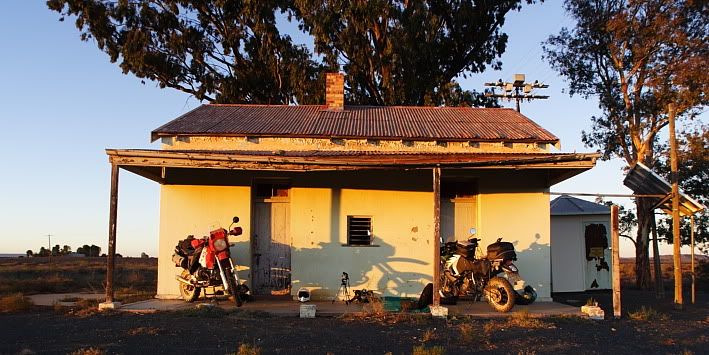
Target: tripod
[{"x": 344, "y": 289}]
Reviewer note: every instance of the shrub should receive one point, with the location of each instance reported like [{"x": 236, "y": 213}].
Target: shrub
[
  {"x": 647, "y": 313},
  {"x": 248, "y": 349},
  {"x": 15, "y": 303}
]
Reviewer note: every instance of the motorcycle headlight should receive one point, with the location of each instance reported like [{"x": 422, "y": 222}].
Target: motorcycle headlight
[{"x": 220, "y": 244}]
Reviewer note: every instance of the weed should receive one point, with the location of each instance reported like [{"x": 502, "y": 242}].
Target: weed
[
  {"x": 523, "y": 319},
  {"x": 470, "y": 335},
  {"x": 375, "y": 307},
  {"x": 526, "y": 352},
  {"x": 434, "y": 350},
  {"x": 428, "y": 335},
  {"x": 88, "y": 351},
  {"x": 143, "y": 331},
  {"x": 248, "y": 349},
  {"x": 647, "y": 313},
  {"x": 15, "y": 303},
  {"x": 591, "y": 302}
]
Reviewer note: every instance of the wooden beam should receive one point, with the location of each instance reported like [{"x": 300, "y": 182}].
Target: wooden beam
[
  {"x": 145, "y": 172},
  {"x": 112, "y": 219},
  {"x": 436, "y": 235},
  {"x": 615, "y": 245}
]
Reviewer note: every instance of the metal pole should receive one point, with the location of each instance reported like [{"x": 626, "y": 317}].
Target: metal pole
[
  {"x": 436, "y": 235},
  {"x": 615, "y": 272},
  {"x": 674, "y": 179},
  {"x": 691, "y": 233},
  {"x": 113, "y": 212}
]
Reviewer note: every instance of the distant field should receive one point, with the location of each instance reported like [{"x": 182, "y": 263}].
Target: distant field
[
  {"x": 69, "y": 274},
  {"x": 627, "y": 269}
]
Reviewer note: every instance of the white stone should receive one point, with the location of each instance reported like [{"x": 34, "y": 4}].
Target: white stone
[
  {"x": 108, "y": 305},
  {"x": 307, "y": 311},
  {"x": 439, "y": 311}
]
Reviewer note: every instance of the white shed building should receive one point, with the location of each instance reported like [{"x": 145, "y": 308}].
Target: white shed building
[{"x": 580, "y": 240}]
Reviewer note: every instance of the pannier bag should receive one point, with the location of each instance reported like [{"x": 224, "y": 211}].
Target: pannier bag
[
  {"x": 465, "y": 249},
  {"x": 501, "y": 250},
  {"x": 477, "y": 267},
  {"x": 183, "y": 251}
]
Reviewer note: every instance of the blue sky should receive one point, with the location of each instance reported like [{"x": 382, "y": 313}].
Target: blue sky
[{"x": 63, "y": 103}]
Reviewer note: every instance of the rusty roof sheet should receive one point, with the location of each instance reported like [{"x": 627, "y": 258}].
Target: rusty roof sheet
[{"x": 374, "y": 122}]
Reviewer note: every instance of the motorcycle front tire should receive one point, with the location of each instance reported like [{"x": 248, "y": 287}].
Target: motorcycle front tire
[
  {"x": 189, "y": 293},
  {"x": 500, "y": 294},
  {"x": 234, "y": 289}
]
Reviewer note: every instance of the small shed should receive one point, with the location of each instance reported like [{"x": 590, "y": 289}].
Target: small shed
[{"x": 580, "y": 235}]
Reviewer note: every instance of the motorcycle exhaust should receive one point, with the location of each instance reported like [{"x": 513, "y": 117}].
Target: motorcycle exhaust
[{"x": 183, "y": 280}]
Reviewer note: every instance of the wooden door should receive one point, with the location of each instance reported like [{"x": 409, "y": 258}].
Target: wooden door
[{"x": 271, "y": 247}]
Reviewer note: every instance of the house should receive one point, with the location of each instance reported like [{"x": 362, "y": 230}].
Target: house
[
  {"x": 326, "y": 189},
  {"x": 580, "y": 237}
]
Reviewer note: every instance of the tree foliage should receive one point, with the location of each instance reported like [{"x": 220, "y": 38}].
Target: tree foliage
[
  {"x": 393, "y": 52},
  {"x": 635, "y": 57}
]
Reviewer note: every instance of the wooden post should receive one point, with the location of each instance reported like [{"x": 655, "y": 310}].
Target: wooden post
[
  {"x": 112, "y": 214},
  {"x": 691, "y": 233},
  {"x": 436, "y": 235},
  {"x": 674, "y": 179},
  {"x": 615, "y": 244},
  {"x": 659, "y": 284}
]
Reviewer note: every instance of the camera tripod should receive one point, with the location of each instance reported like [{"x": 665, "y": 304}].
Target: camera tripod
[{"x": 344, "y": 289}]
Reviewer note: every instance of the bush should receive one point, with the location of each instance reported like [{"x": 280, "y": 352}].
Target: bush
[
  {"x": 15, "y": 303},
  {"x": 647, "y": 313}
]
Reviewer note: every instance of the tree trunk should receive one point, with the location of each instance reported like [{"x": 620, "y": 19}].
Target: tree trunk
[
  {"x": 642, "y": 246},
  {"x": 659, "y": 285}
]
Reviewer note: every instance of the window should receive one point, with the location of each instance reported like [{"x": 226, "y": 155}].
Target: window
[
  {"x": 270, "y": 190},
  {"x": 359, "y": 230}
]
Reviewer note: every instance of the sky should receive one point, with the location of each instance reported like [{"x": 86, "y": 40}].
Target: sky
[{"x": 63, "y": 103}]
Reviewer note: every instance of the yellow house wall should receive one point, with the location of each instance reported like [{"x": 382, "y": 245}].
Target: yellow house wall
[
  {"x": 401, "y": 206},
  {"x": 523, "y": 219},
  {"x": 195, "y": 210}
]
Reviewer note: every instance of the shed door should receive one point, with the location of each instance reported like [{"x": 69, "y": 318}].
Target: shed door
[{"x": 271, "y": 261}]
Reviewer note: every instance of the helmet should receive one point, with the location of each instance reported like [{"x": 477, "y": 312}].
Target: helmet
[{"x": 303, "y": 294}]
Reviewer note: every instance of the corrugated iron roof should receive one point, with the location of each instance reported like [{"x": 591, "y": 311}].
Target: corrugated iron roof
[
  {"x": 644, "y": 181},
  {"x": 375, "y": 122},
  {"x": 565, "y": 205}
]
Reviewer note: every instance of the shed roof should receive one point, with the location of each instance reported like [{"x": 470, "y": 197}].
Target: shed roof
[
  {"x": 376, "y": 122},
  {"x": 566, "y": 205}
]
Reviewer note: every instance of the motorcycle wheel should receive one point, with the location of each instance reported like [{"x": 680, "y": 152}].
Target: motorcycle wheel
[
  {"x": 234, "y": 289},
  {"x": 500, "y": 294},
  {"x": 527, "y": 297},
  {"x": 189, "y": 293},
  {"x": 448, "y": 290}
]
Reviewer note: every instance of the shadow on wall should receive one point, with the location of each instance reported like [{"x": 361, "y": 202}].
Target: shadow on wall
[
  {"x": 534, "y": 265},
  {"x": 369, "y": 267}
]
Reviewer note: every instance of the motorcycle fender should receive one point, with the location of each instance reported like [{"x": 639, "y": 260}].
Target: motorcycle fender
[{"x": 517, "y": 282}]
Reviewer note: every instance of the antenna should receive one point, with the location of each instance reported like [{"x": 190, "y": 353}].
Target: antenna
[{"x": 518, "y": 90}]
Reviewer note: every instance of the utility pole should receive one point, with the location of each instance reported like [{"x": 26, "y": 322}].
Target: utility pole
[
  {"x": 518, "y": 90},
  {"x": 674, "y": 180},
  {"x": 49, "y": 247}
]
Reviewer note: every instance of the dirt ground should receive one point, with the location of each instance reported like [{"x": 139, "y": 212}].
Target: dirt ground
[{"x": 60, "y": 331}]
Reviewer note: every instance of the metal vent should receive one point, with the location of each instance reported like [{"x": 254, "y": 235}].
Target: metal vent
[{"x": 359, "y": 230}]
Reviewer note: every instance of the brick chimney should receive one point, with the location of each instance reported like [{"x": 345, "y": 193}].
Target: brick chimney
[{"x": 335, "y": 91}]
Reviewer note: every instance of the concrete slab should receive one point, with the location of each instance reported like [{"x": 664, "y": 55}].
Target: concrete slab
[
  {"x": 289, "y": 308},
  {"x": 51, "y": 299}
]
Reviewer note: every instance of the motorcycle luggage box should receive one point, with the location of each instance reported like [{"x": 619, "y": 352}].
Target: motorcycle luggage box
[
  {"x": 465, "y": 249},
  {"x": 501, "y": 250},
  {"x": 179, "y": 260}
]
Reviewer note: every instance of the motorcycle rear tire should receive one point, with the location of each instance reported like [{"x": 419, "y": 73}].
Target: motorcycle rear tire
[
  {"x": 189, "y": 293},
  {"x": 500, "y": 294}
]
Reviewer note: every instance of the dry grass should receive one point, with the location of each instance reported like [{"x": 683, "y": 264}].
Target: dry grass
[
  {"x": 646, "y": 314},
  {"x": 434, "y": 350},
  {"x": 248, "y": 349},
  {"x": 469, "y": 334},
  {"x": 429, "y": 335},
  {"x": 15, "y": 303},
  {"x": 88, "y": 351},
  {"x": 143, "y": 331},
  {"x": 67, "y": 274}
]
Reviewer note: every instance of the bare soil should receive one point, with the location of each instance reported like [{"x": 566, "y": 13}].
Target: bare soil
[{"x": 55, "y": 331}]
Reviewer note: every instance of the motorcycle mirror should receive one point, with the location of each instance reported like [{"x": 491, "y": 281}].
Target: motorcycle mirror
[
  {"x": 473, "y": 231},
  {"x": 235, "y": 219}
]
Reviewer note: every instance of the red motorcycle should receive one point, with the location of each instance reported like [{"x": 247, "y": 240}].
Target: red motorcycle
[{"x": 207, "y": 263}]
